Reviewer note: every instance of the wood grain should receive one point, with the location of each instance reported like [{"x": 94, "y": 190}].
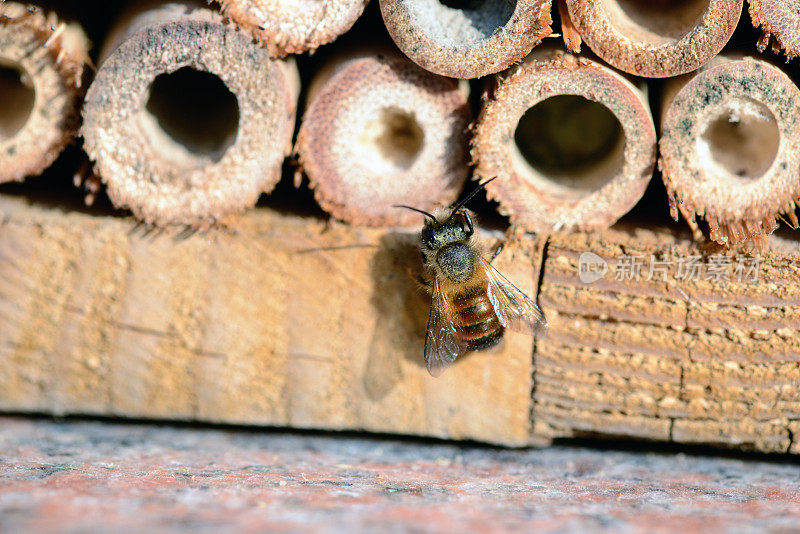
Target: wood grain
[
  {"x": 294, "y": 322},
  {"x": 691, "y": 361},
  {"x": 285, "y": 322}
]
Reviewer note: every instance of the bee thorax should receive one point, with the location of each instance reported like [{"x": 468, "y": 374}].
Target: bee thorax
[{"x": 456, "y": 261}]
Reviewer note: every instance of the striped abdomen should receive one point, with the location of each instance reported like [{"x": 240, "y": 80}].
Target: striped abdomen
[{"x": 479, "y": 327}]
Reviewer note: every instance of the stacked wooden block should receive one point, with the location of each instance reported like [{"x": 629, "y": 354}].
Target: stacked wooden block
[{"x": 258, "y": 315}]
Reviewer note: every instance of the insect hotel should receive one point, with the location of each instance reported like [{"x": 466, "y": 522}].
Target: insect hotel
[{"x": 199, "y": 222}]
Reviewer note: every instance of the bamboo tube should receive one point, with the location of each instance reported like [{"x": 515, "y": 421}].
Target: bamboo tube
[
  {"x": 41, "y": 72},
  {"x": 293, "y": 27},
  {"x": 380, "y": 131},
  {"x": 188, "y": 121},
  {"x": 572, "y": 144},
  {"x": 730, "y": 149},
  {"x": 466, "y": 39},
  {"x": 655, "y": 38},
  {"x": 779, "y": 19}
]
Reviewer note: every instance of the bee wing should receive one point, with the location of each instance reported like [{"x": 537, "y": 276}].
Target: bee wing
[
  {"x": 442, "y": 346},
  {"x": 514, "y": 309}
]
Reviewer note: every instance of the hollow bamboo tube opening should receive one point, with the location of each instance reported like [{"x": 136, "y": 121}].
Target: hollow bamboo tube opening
[
  {"x": 655, "y": 38},
  {"x": 779, "y": 19},
  {"x": 41, "y": 69},
  {"x": 18, "y": 99},
  {"x": 380, "y": 131},
  {"x": 196, "y": 110},
  {"x": 296, "y": 26},
  {"x": 571, "y": 142},
  {"x": 188, "y": 121},
  {"x": 466, "y": 39},
  {"x": 730, "y": 149}
]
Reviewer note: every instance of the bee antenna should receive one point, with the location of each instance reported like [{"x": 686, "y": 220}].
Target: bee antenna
[
  {"x": 425, "y": 213},
  {"x": 469, "y": 197}
]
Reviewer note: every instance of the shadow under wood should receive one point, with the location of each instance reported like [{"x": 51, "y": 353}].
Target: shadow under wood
[{"x": 401, "y": 307}]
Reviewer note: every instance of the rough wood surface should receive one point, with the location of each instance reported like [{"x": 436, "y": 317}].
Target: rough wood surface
[
  {"x": 691, "y": 361},
  {"x": 261, "y": 326},
  {"x": 289, "y": 322}
]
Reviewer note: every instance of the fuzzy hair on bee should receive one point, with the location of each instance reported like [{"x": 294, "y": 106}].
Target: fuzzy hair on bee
[
  {"x": 472, "y": 304},
  {"x": 448, "y": 248}
]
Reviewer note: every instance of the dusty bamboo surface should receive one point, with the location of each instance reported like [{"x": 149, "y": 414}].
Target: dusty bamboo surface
[
  {"x": 40, "y": 109},
  {"x": 293, "y": 27},
  {"x": 547, "y": 198},
  {"x": 778, "y": 19},
  {"x": 466, "y": 39},
  {"x": 267, "y": 326},
  {"x": 188, "y": 179},
  {"x": 264, "y": 326},
  {"x": 655, "y": 39},
  {"x": 729, "y": 149},
  {"x": 378, "y": 131}
]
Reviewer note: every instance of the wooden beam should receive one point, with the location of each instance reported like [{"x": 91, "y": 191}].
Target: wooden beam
[
  {"x": 291, "y": 321},
  {"x": 286, "y": 321},
  {"x": 685, "y": 360}
]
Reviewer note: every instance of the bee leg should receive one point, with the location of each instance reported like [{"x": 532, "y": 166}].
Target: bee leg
[{"x": 497, "y": 251}]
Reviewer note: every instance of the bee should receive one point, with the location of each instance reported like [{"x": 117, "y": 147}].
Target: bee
[{"x": 472, "y": 304}]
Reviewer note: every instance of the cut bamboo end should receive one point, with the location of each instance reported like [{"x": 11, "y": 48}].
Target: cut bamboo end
[
  {"x": 571, "y": 141},
  {"x": 730, "y": 149},
  {"x": 188, "y": 121},
  {"x": 293, "y": 27},
  {"x": 41, "y": 71},
  {"x": 466, "y": 39},
  {"x": 779, "y": 19},
  {"x": 655, "y": 38},
  {"x": 381, "y": 131}
]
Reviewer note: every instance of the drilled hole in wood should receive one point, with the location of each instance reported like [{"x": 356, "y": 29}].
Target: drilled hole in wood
[
  {"x": 461, "y": 22},
  {"x": 17, "y": 97},
  {"x": 742, "y": 141},
  {"x": 195, "y": 110},
  {"x": 396, "y": 137},
  {"x": 656, "y": 21},
  {"x": 572, "y": 142}
]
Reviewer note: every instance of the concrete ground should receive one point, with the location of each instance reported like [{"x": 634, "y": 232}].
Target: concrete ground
[{"x": 84, "y": 476}]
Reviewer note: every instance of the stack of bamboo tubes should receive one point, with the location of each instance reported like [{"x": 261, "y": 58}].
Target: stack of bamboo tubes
[{"x": 188, "y": 114}]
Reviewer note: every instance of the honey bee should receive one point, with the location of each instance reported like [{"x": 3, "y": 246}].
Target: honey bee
[{"x": 472, "y": 303}]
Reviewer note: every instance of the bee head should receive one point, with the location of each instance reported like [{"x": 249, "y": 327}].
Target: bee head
[
  {"x": 440, "y": 231},
  {"x": 456, "y": 228}
]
